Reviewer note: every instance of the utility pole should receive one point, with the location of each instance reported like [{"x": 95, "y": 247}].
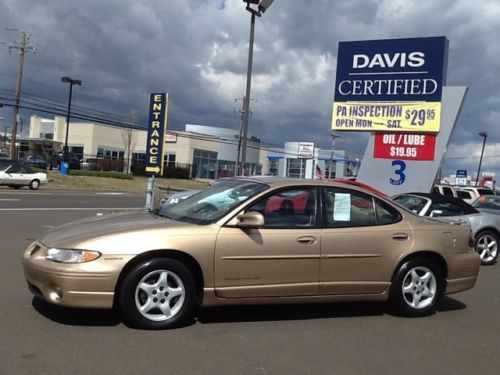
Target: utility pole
[
  {"x": 22, "y": 46},
  {"x": 238, "y": 155},
  {"x": 5, "y": 137},
  {"x": 241, "y": 111}
]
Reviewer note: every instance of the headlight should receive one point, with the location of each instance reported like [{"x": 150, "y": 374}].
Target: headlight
[{"x": 72, "y": 256}]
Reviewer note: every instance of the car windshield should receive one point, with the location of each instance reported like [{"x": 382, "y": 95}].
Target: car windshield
[
  {"x": 491, "y": 202},
  {"x": 4, "y": 164},
  {"x": 209, "y": 205}
]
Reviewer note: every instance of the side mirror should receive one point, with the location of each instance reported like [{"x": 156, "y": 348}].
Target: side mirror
[
  {"x": 250, "y": 219},
  {"x": 436, "y": 213}
]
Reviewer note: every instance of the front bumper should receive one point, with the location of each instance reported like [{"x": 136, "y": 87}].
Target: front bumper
[{"x": 86, "y": 285}]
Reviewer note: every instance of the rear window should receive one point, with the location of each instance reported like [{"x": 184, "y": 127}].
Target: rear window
[
  {"x": 485, "y": 192},
  {"x": 447, "y": 191},
  {"x": 464, "y": 194}
]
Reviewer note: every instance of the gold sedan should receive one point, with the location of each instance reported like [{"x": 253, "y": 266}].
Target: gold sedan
[{"x": 249, "y": 241}]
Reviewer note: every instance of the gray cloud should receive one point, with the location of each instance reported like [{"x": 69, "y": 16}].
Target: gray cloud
[{"x": 196, "y": 50}]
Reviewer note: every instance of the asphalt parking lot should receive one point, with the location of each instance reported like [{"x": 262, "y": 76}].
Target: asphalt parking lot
[{"x": 355, "y": 338}]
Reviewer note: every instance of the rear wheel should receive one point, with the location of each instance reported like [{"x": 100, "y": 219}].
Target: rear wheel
[
  {"x": 417, "y": 286},
  {"x": 487, "y": 246},
  {"x": 34, "y": 185},
  {"x": 157, "y": 294}
]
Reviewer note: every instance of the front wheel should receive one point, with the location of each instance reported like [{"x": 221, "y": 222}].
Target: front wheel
[
  {"x": 157, "y": 294},
  {"x": 34, "y": 185},
  {"x": 417, "y": 286},
  {"x": 487, "y": 246}
]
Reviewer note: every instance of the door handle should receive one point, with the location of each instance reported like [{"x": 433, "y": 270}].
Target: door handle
[
  {"x": 307, "y": 240},
  {"x": 400, "y": 236}
]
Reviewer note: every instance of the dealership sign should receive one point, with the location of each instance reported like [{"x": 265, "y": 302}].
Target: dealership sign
[
  {"x": 306, "y": 150},
  {"x": 390, "y": 85},
  {"x": 404, "y": 146},
  {"x": 158, "y": 109},
  {"x": 170, "y": 138},
  {"x": 394, "y": 162}
]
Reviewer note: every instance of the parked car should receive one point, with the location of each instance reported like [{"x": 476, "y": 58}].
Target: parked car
[
  {"x": 361, "y": 184},
  {"x": 88, "y": 164},
  {"x": 488, "y": 203},
  {"x": 157, "y": 266},
  {"x": 485, "y": 227},
  {"x": 72, "y": 160},
  {"x": 4, "y": 156},
  {"x": 16, "y": 175},
  {"x": 470, "y": 193},
  {"x": 36, "y": 161},
  {"x": 177, "y": 196},
  {"x": 446, "y": 190}
]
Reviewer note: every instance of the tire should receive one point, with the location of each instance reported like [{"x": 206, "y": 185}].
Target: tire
[
  {"x": 486, "y": 245},
  {"x": 34, "y": 185},
  {"x": 165, "y": 291},
  {"x": 417, "y": 287}
]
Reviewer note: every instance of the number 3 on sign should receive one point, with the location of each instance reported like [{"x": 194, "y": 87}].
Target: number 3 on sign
[{"x": 399, "y": 172}]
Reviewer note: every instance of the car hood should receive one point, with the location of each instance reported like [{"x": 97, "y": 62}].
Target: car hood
[
  {"x": 72, "y": 235},
  {"x": 490, "y": 211}
]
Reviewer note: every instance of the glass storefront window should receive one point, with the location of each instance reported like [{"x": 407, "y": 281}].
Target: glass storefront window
[
  {"x": 296, "y": 168},
  {"x": 225, "y": 168},
  {"x": 204, "y": 164}
]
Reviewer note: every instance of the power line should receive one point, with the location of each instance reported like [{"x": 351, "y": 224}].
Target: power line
[{"x": 35, "y": 103}]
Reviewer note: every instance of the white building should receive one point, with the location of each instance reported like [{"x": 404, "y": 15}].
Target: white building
[{"x": 207, "y": 151}]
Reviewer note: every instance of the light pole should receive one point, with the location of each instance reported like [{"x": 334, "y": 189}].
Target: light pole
[
  {"x": 262, "y": 6},
  {"x": 334, "y": 135},
  {"x": 71, "y": 82},
  {"x": 484, "y": 135}
]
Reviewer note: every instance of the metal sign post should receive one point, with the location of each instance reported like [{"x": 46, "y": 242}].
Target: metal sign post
[{"x": 157, "y": 124}]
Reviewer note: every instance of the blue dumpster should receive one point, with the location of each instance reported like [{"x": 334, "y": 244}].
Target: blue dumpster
[{"x": 64, "y": 169}]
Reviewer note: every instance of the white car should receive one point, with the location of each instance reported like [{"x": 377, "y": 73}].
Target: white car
[
  {"x": 470, "y": 193},
  {"x": 16, "y": 175}
]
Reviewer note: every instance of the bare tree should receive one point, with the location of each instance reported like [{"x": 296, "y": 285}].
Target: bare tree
[{"x": 129, "y": 141}]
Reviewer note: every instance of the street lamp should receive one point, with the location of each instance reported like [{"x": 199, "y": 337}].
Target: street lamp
[
  {"x": 334, "y": 135},
  {"x": 484, "y": 135},
  {"x": 256, "y": 8},
  {"x": 71, "y": 82}
]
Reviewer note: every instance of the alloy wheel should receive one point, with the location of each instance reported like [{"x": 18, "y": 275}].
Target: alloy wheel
[
  {"x": 419, "y": 287},
  {"x": 159, "y": 295}
]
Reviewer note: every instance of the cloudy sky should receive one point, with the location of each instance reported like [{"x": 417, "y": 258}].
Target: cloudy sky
[{"x": 196, "y": 50}]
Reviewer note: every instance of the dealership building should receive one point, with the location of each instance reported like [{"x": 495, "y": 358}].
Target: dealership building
[{"x": 209, "y": 152}]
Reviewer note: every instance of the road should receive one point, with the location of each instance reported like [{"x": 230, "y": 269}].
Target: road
[{"x": 355, "y": 338}]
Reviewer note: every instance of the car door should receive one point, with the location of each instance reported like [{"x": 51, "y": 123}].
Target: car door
[
  {"x": 363, "y": 237},
  {"x": 14, "y": 175},
  {"x": 279, "y": 259}
]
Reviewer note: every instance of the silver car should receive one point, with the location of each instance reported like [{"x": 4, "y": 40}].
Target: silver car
[
  {"x": 485, "y": 226},
  {"x": 177, "y": 196}
]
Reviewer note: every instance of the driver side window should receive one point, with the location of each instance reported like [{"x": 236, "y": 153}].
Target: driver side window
[{"x": 290, "y": 208}]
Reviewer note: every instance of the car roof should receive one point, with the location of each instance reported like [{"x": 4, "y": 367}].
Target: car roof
[{"x": 274, "y": 182}]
